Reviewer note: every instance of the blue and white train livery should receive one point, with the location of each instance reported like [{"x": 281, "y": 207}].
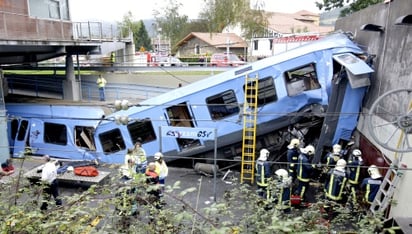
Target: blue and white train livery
[{"x": 313, "y": 92}]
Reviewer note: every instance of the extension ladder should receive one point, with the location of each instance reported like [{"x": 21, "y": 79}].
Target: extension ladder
[
  {"x": 389, "y": 184},
  {"x": 249, "y": 129}
]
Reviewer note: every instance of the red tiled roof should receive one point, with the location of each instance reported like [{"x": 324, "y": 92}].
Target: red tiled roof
[{"x": 218, "y": 40}]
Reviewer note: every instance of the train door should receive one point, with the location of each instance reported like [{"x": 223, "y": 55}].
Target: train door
[
  {"x": 20, "y": 138},
  {"x": 180, "y": 116}
]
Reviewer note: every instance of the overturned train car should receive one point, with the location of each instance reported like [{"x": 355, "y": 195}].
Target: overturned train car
[{"x": 313, "y": 92}]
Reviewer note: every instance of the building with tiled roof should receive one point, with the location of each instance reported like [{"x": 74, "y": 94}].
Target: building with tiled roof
[{"x": 199, "y": 43}]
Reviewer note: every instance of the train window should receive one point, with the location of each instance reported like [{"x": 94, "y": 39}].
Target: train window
[
  {"x": 83, "y": 137},
  {"x": 266, "y": 91},
  {"x": 22, "y": 130},
  {"x": 55, "y": 133},
  {"x": 222, "y": 105},
  {"x": 301, "y": 79},
  {"x": 14, "y": 124},
  {"x": 112, "y": 141},
  {"x": 142, "y": 129}
]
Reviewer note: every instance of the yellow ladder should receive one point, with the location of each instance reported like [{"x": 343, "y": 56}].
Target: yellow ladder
[{"x": 249, "y": 129}]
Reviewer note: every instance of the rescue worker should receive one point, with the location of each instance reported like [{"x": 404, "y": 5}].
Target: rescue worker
[
  {"x": 336, "y": 182},
  {"x": 101, "y": 84},
  {"x": 334, "y": 188},
  {"x": 334, "y": 156},
  {"x": 161, "y": 169},
  {"x": 283, "y": 188},
  {"x": 292, "y": 157},
  {"x": 304, "y": 171},
  {"x": 129, "y": 167},
  {"x": 262, "y": 173},
  {"x": 152, "y": 180},
  {"x": 50, "y": 183},
  {"x": 355, "y": 163},
  {"x": 112, "y": 58},
  {"x": 371, "y": 184},
  {"x": 140, "y": 155}
]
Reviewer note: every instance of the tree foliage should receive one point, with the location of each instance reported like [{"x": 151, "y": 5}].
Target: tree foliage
[
  {"x": 170, "y": 24},
  {"x": 224, "y": 13},
  {"x": 353, "y": 5},
  {"x": 138, "y": 30},
  {"x": 127, "y": 207}
]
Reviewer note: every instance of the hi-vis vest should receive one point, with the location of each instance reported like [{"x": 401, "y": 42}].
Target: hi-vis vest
[{"x": 101, "y": 82}]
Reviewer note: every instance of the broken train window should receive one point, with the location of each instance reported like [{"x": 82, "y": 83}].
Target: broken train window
[
  {"x": 301, "y": 79},
  {"x": 222, "y": 105}
]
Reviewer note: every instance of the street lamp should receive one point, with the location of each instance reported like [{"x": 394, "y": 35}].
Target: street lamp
[{"x": 159, "y": 30}]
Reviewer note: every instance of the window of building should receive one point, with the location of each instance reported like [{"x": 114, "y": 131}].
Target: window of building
[
  {"x": 55, "y": 133},
  {"x": 222, "y": 105},
  {"x": 112, "y": 141},
  {"x": 49, "y": 9},
  {"x": 141, "y": 130},
  {"x": 197, "y": 49},
  {"x": 256, "y": 44},
  {"x": 266, "y": 91},
  {"x": 301, "y": 79}
]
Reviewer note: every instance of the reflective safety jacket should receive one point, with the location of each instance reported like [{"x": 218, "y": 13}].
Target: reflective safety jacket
[
  {"x": 354, "y": 166},
  {"x": 335, "y": 184},
  {"x": 262, "y": 173},
  {"x": 292, "y": 157},
  {"x": 371, "y": 188},
  {"x": 304, "y": 168}
]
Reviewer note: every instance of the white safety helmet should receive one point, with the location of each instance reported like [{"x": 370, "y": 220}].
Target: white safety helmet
[
  {"x": 264, "y": 154},
  {"x": 282, "y": 173},
  {"x": 356, "y": 153},
  {"x": 158, "y": 156},
  {"x": 309, "y": 150},
  {"x": 294, "y": 143},
  {"x": 374, "y": 172},
  {"x": 70, "y": 169},
  {"x": 340, "y": 165},
  {"x": 336, "y": 149}
]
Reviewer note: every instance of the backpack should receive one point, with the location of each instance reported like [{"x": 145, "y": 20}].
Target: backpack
[{"x": 90, "y": 171}]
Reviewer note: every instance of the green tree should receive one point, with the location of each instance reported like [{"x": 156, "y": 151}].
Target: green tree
[
  {"x": 223, "y": 13},
  {"x": 141, "y": 38},
  {"x": 354, "y": 5},
  {"x": 170, "y": 24},
  {"x": 137, "y": 28}
]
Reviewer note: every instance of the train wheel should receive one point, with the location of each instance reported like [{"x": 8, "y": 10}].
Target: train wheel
[{"x": 390, "y": 120}]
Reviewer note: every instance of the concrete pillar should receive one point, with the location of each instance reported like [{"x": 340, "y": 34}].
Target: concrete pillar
[
  {"x": 71, "y": 85},
  {"x": 4, "y": 142}
]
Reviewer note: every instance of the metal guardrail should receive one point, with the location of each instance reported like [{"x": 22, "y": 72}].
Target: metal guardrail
[{"x": 52, "y": 87}]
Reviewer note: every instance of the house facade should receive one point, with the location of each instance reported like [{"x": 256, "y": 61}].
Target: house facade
[{"x": 205, "y": 44}]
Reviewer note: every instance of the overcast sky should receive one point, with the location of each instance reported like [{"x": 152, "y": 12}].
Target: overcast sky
[{"x": 114, "y": 10}]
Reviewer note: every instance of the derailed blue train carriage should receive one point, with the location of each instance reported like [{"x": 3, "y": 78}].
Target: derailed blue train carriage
[
  {"x": 62, "y": 131},
  {"x": 313, "y": 92}
]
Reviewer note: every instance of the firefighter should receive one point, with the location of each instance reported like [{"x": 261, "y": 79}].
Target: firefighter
[
  {"x": 283, "y": 188},
  {"x": 292, "y": 157},
  {"x": 336, "y": 182},
  {"x": 262, "y": 172},
  {"x": 371, "y": 184},
  {"x": 335, "y": 188},
  {"x": 304, "y": 171},
  {"x": 334, "y": 156},
  {"x": 355, "y": 163}
]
